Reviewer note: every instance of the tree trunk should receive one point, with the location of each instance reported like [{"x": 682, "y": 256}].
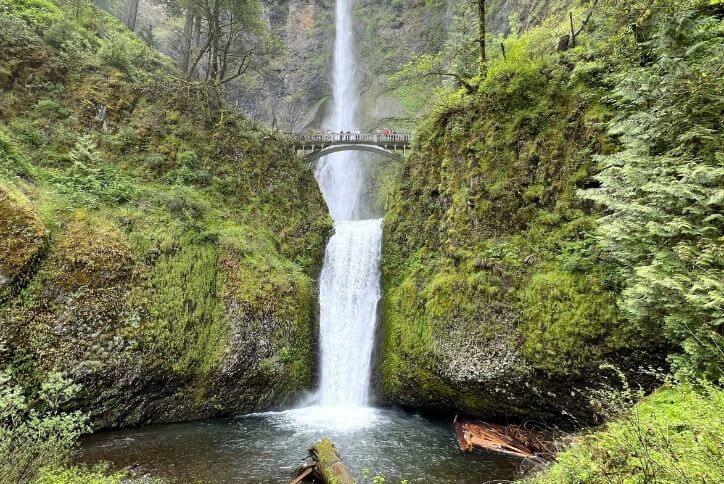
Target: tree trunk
[
  {"x": 326, "y": 464},
  {"x": 132, "y": 15},
  {"x": 481, "y": 36},
  {"x": 195, "y": 48},
  {"x": 188, "y": 36},
  {"x": 215, "y": 33},
  {"x": 510, "y": 439},
  {"x": 214, "y": 54}
]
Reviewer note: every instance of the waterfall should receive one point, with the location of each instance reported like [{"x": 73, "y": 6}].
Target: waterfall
[
  {"x": 348, "y": 293},
  {"x": 349, "y": 287},
  {"x": 341, "y": 175}
]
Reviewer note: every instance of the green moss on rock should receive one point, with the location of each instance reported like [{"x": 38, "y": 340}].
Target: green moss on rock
[
  {"x": 22, "y": 236},
  {"x": 495, "y": 301}
]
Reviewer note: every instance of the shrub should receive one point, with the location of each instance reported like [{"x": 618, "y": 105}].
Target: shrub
[
  {"x": 664, "y": 226},
  {"x": 34, "y": 431},
  {"x": 671, "y": 436},
  {"x": 50, "y": 109},
  {"x": 89, "y": 180},
  {"x": 115, "y": 53},
  {"x": 64, "y": 34},
  {"x": 99, "y": 474},
  {"x": 11, "y": 163},
  {"x": 37, "y": 13}
]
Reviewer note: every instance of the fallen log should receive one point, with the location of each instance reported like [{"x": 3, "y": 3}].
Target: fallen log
[
  {"x": 325, "y": 466},
  {"x": 510, "y": 439}
]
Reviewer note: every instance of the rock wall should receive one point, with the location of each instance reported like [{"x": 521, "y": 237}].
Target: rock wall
[
  {"x": 161, "y": 253},
  {"x": 496, "y": 301}
]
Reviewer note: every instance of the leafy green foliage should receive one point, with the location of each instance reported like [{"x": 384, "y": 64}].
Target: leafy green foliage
[
  {"x": 663, "y": 191},
  {"x": 39, "y": 13},
  {"x": 99, "y": 474},
  {"x": 672, "y": 436},
  {"x": 90, "y": 180},
  {"x": 34, "y": 430}
]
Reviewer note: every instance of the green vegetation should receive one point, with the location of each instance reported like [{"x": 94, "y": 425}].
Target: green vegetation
[
  {"x": 673, "y": 435},
  {"x": 491, "y": 237},
  {"x": 562, "y": 214},
  {"x": 155, "y": 246},
  {"x": 486, "y": 241},
  {"x": 34, "y": 432},
  {"x": 663, "y": 189}
]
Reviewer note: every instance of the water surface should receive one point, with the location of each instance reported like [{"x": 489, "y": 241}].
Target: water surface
[{"x": 268, "y": 447}]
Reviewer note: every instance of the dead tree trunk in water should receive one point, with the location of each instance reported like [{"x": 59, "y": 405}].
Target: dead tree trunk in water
[{"x": 326, "y": 465}]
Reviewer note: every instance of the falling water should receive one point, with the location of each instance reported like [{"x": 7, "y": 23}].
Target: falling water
[
  {"x": 341, "y": 175},
  {"x": 348, "y": 293},
  {"x": 349, "y": 284}
]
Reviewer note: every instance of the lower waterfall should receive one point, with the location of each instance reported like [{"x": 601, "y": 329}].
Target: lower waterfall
[{"x": 349, "y": 291}]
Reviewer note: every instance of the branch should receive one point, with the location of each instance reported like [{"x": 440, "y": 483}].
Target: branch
[
  {"x": 243, "y": 67},
  {"x": 200, "y": 55},
  {"x": 460, "y": 79}
]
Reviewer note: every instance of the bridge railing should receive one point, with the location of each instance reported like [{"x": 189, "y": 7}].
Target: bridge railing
[{"x": 375, "y": 138}]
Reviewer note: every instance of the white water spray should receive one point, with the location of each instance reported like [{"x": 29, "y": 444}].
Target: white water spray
[{"x": 349, "y": 290}]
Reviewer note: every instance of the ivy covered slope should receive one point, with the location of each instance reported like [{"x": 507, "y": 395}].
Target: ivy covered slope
[
  {"x": 506, "y": 283},
  {"x": 158, "y": 249}
]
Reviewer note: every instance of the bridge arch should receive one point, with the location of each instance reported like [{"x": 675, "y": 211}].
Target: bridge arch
[
  {"x": 328, "y": 150},
  {"x": 313, "y": 146}
]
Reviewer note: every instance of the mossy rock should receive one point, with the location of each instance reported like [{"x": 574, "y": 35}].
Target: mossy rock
[
  {"x": 22, "y": 236},
  {"x": 176, "y": 281},
  {"x": 496, "y": 303},
  {"x": 90, "y": 253}
]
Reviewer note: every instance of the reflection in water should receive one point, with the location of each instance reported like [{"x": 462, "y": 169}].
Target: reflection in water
[{"x": 268, "y": 447}]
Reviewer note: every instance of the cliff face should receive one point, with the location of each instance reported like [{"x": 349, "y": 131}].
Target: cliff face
[
  {"x": 388, "y": 35},
  {"x": 161, "y": 253},
  {"x": 496, "y": 300}
]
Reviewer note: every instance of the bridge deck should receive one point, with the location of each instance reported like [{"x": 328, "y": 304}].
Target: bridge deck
[{"x": 326, "y": 139}]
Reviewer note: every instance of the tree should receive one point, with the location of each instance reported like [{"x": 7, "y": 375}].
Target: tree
[
  {"x": 663, "y": 191},
  {"x": 132, "y": 14},
  {"x": 221, "y": 40},
  {"x": 481, "y": 36}
]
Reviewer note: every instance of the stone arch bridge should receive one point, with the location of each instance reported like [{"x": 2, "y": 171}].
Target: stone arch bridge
[{"x": 314, "y": 146}]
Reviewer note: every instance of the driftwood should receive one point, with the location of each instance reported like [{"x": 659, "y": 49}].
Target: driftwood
[
  {"x": 506, "y": 439},
  {"x": 324, "y": 465}
]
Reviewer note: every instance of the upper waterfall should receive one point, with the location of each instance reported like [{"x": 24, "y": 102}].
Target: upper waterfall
[{"x": 341, "y": 177}]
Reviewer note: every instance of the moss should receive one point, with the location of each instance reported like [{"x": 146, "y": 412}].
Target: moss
[
  {"x": 183, "y": 241},
  {"x": 673, "y": 435},
  {"x": 22, "y": 235},
  {"x": 568, "y": 319},
  {"x": 183, "y": 319},
  {"x": 91, "y": 252}
]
